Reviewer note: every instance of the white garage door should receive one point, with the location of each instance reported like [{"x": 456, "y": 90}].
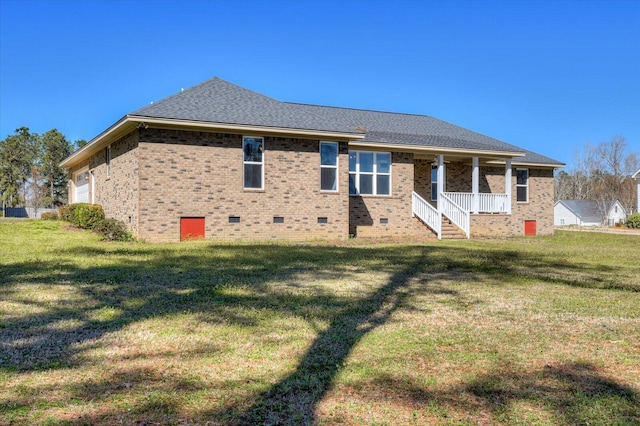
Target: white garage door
[{"x": 82, "y": 188}]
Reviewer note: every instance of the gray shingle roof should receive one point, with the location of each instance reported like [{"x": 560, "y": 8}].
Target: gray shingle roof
[
  {"x": 218, "y": 101},
  {"x": 587, "y": 210}
]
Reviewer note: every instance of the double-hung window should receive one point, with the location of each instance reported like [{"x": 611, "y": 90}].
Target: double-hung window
[
  {"x": 522, "y": 185},
  {"x": 434, "y": 183},
  {"x": 369, "y": 173},
  {"x": 328, "y": 166},
  {"x": 253, "y": 162},
  {"x": 107, "y": 160}
]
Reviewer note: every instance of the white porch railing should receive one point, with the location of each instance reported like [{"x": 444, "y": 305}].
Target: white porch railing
[
  {"x": 455, "y": 213},
  {"x": 487, "y": 203},
  {"x": 426, "y": 213}
]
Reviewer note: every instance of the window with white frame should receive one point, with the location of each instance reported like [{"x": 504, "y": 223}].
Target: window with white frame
[
  {"x": 369, "y": 173},
  {"x": 253, "y": 162},
  {"x": 434, "y": 183},
  {"x": 107, "y": 154},
  {"x": 328, "y": 166},
  {"x": 522, "y": 185}
]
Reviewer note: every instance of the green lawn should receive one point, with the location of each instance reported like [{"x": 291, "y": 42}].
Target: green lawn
[{"x": 521, "y": 331}]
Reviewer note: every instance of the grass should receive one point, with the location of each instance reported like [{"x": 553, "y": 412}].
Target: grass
[{"x": 522, "y": 331}]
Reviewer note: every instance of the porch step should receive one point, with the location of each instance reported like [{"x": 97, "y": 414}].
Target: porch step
[{"x": 450, "y": 231}]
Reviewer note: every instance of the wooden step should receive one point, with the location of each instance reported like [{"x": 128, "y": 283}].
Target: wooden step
[{"x": 449, "y": 231}]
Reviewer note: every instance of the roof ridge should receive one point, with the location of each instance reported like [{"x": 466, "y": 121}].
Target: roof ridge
[
  {"x": 196, "y": 86},
  {"x": 410, "y": 114},
  {"x": 366, "y": 110}
]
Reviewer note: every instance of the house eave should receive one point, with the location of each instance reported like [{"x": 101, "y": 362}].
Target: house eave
[
  {"x": 515, "y": 162},
  {"x": 130, "y": 122},
  {"x": 243, "y": 128},
  {"x": 436, "y": 149},
  {"x": 119, "y": 128}
]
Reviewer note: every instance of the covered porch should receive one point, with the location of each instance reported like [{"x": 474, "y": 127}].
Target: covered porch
[{"x": 456, "y": 187}]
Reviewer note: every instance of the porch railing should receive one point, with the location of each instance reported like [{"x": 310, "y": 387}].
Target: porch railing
[
  {"x": 455, "y": 213},
  {"x": 426, "y": 213},
  {"x": 487, "y": 203}
]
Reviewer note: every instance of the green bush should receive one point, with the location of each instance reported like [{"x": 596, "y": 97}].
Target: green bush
[
  {"x": 66, "y": 213},
  {"x": 87, "y": 215},
  {"x": 633, "y": 221},
  {"x": 112, "y": 230},
  {"x": 49, "y": 216}
]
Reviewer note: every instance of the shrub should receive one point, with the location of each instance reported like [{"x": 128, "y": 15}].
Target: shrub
[
  {"x": 66, "y": 213},
  {"x": 633, "y": 221},
  {"x": 87, "y": 215},
  {"x": 112, "y": 230},
  {"x": 49, "y": 216}
]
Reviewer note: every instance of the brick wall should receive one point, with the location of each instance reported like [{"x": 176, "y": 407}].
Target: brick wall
[
  {"x": 118, "y": 193},
  {"x": 539, "y": 207},
  {"x": 459, "y": 179},
  {"x": 159, "y": 176},
  {"x": 367, "y": 211},
  {"x": 200, "y": 174}
]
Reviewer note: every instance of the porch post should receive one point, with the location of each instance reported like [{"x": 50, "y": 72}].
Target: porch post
[
  {"x": 475, "y": 184},
  {"x": 507, "y": 184},
  {"x": 441, "y": 185}
]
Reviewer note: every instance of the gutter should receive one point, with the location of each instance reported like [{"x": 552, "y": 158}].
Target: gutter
[{"x": 129, "y": 122}]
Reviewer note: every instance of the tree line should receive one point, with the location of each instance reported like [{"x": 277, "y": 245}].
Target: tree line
[
  {"x": 30, "y": 172},
  {"x": 601, "y": 173}
]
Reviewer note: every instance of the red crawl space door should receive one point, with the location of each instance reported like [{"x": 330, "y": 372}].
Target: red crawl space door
[
  {"x": 191, "y": 228},
  {"x": 529, "y": 227}
]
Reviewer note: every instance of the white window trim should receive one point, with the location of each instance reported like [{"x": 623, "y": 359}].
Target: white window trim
[
  {"x": 374, "y": 174},
  {"x": 76, "y": 175},
  {"x": 92, "y": 186},
  {"x": 108, "y": 160},
  {"x": 260, "y": 163},
  {"x": 434, "y": 194},
  {"x": 336, "y": 167},
  {"x": 526, "y": 186}
]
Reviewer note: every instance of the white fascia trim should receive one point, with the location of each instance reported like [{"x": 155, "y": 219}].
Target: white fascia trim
[
  {"x": 129, "y": 122},
  {"x": 240, "y": 128},
  {"x": 532, "y": 165},
  {"x": 434, "y": 149},
  {"x": 97, "y": 143}
]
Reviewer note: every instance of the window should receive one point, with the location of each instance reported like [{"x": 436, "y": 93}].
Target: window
[
  {"x": 253, "y": 148},
  {"x": 522, "y": 185},
  {"x": 434, "y": 183},
  {"x": 561, "y": 221},
  {"x": 107, "y": 154},
  {"x": 369, "y": 173},
  {"x": 328, "y": 166}
]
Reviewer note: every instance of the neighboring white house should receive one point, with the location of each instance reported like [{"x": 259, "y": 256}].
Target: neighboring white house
[
  {"x": 587, "y": 213},
  {"x": 636, "y": 176}
]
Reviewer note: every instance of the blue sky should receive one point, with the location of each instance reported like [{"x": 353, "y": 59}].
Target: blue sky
[{"x": 544, "y": 75}]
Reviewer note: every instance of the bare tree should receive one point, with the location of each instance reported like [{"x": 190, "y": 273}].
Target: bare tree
[{"x": 602, "y": 173}]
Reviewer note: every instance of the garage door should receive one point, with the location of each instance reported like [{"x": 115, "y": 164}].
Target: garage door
[{"x": 82, "y": 188}]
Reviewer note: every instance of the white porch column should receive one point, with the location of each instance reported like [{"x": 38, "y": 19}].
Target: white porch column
[
  {"x": 475, "y": 184},
  {"x": 441, "y": 185},
  {"x": 507, "y": 184}
]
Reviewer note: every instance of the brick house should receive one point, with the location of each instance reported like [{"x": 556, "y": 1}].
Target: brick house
[{"x": 223, "y": 162}]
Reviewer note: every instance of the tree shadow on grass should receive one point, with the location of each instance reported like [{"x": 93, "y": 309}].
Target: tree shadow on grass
[
  {"x": 130, "y": 284},
  {"x": 293, "y": 400},
  {"x": 574, "y": 393}
]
